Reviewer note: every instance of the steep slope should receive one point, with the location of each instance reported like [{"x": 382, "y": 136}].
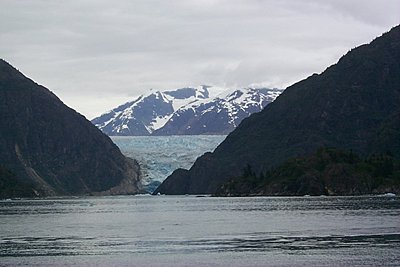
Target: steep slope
[
  {"x": 185, "y": 111},
  {"x": 354, "y": 104},
  {"x": 54, "y": 149},
  {"x": 135, "y": 118}
]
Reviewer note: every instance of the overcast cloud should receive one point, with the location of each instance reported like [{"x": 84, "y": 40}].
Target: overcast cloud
[{"x": 96, "y": 54}]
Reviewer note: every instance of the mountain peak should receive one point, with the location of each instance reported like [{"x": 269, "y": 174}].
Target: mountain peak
[
  {"x": 190, "y": 110},
  {"x": 9, "y": 72}
]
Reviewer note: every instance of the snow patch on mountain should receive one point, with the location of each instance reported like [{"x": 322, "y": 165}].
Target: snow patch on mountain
[{"x": 191, "y": 110}]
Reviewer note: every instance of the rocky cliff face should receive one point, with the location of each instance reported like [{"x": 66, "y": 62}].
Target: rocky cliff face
[
  {"x": 54, "y": 149},
  {"x": 354, "y": 104}
]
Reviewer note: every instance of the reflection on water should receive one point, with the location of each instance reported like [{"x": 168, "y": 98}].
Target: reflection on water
[{"x": 191, "y": 231}]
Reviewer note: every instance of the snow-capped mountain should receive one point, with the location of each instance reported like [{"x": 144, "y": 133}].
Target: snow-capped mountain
[{"x": 191, "y": 110}]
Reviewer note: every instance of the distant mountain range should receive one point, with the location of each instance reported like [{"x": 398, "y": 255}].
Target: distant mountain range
[{"x": 185, "y": 111}]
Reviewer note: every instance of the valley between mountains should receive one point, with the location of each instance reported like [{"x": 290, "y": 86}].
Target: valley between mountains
[{"x": 335, "y": 133}]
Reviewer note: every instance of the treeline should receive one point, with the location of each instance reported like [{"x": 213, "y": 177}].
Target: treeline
[
  {"x": 328, "y": 171},
  {"x": 11, "y": 187}
]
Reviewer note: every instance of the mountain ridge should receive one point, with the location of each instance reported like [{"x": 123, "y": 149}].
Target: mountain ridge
[
  {"x": 347, "y": 106},
  {"x": 185, "y": 111}
]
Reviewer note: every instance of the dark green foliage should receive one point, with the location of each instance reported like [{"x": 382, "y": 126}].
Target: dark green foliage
[
  {"x": 382, "y": 165},
  {"x": 248, "y": 171},
  {"x": 353, "y": 105},
  {"x": 11, "y": 187},
  {"x": 326, "y": 172}
]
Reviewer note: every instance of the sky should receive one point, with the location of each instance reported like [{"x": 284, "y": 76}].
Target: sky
[{"x": 98, "y": 54}]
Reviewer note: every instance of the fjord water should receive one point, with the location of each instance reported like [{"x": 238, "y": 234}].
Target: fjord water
[
  {"x": 159, "y": 156},
  {"x": 201, "y": 231}
]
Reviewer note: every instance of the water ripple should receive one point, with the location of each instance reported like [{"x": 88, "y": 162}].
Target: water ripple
[{"x": 74, "y": 245}]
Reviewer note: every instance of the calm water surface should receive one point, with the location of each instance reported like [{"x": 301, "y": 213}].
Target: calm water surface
[{"x": 201, "y": 231}]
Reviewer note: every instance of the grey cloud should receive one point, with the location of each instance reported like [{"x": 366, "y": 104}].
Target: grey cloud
[{"x": 97, "y": 54}]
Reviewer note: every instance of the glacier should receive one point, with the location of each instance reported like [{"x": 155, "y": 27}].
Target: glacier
[{"x": 159, "y": 156}]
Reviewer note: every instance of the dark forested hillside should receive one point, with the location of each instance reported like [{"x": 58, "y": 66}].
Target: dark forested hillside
[
  {"x": 354, "y": 105},
  {"x": 52, "y": 149},
  {"x": 326, "y": 172}
]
